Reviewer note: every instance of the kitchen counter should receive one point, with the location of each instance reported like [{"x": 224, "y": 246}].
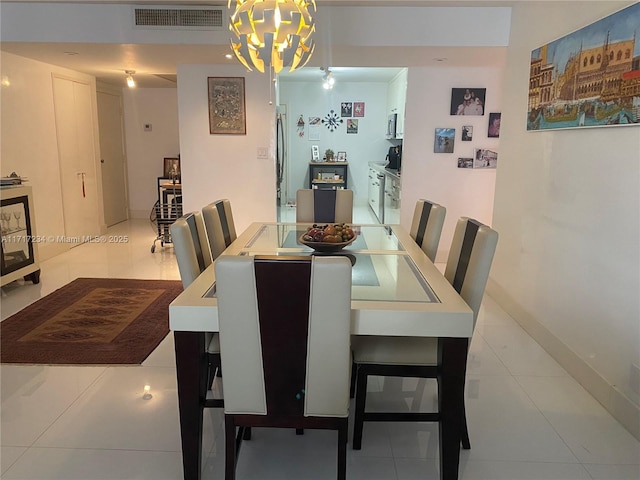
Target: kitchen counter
[
  {"x": 379, "y": 167},
  {"x": 384, "y": 193}
]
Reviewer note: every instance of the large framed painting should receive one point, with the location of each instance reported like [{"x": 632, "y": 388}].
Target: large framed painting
[
  {"x": 227, "y": 113},
  {"x": 589, "y": 78}
]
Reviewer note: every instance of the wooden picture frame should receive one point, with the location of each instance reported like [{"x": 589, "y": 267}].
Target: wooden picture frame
[
  {"x": 227, "y": 109},
  {"x": 171, "y": 167}
]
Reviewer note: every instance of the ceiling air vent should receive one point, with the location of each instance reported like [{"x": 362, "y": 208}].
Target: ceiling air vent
[{"x": 180, "y": 18}]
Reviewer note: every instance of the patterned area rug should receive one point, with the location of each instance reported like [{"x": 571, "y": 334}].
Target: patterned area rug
[{"x": 91, "y": 321}]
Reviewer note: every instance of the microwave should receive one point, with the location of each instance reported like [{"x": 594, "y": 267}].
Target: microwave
[{"x": 391, "y": 125}]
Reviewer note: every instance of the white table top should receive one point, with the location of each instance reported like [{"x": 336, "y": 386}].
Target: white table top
[{"x": 396, "y": 290}]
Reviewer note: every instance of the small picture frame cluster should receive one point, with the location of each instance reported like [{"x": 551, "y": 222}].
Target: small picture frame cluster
[
  {"x": 483, "y": 158},
  {"x": 342, "y": 157}
]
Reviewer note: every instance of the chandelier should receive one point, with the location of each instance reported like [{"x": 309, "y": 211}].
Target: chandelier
[{"x": 273, "y": 33}]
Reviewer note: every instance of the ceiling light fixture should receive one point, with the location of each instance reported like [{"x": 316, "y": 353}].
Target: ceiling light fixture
[
  {"x": 327, "y": 79},
  {"x": 131, "y": 83},
  {"x": 273, "y": 33}
]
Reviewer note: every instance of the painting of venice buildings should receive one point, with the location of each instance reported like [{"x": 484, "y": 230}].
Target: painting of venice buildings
[{"x": 588, "y": 78}]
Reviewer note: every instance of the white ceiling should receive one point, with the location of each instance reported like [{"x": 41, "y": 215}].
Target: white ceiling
[{"x": 156, "y": 64}]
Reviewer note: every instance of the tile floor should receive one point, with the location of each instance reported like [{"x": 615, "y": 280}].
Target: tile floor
[{"x": 528, "y": 419}]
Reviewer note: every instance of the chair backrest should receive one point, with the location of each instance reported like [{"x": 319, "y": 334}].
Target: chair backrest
[
  {"x": 190, "y": 246},
  {"x": 426, "y": 227},
  {"x": 221, "y": 230},
  {"x": 284, "y": 334},
  {"x": 324, "y": 206},
  {"x": 470, "y": 259}
]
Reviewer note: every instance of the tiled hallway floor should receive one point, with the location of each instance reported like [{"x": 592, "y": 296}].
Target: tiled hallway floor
[{"x": 528, "y": 419}]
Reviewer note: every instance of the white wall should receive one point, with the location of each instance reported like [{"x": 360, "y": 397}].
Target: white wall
[
  {"x": 368, "y": 145},
  {"x": 226, "y": 166},
  {"x": 29, "y": 143},
  {"x": 568, "y": 212},
  {"x": 436, "y": 176},
  {"x": 146, "y": 150}
]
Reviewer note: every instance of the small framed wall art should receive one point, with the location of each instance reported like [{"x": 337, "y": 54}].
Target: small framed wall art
[
  {"x": 444, "y": 140},
  {"x": 227, "y": 111},
  {"x": 171, "y": 167},
  {"x": 468, "y": 101}
]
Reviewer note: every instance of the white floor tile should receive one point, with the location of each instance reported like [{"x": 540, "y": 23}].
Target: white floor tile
[
  {"x": 8, "y": 456},
  {"x": 586, "y": 427},
  {"x": 34, "y": 396},
  {"x": 476, "y": 470},
  {"x": 112, "y": 414},
  {"x": 89, "y": 464},
  {"x": 613, "y": 472},
  {"x": 518, "y": 351},
  {"x": 504, "y": 424}
]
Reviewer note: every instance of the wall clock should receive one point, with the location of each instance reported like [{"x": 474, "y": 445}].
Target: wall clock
[{"x": 331, "y": 120}]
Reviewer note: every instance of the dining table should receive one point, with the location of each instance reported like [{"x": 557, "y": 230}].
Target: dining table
[{"x": 396, "y": 291}]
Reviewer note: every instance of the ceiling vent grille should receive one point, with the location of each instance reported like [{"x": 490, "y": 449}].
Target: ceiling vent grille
[{"x": 180, "y": 18}]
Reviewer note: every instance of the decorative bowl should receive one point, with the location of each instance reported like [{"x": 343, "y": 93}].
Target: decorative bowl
[{"x": 325, "y": 246}]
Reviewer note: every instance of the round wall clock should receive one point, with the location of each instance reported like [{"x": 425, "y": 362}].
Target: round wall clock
[{"x": 331, "y": 120}]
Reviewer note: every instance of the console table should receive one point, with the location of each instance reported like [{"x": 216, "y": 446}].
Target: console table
[
  {"x": 19, "y": 247},
  {"x": 323, "y": 175}
]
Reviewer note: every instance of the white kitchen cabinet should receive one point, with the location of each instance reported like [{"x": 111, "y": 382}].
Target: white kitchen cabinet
[{"x": 396, "y": 98}]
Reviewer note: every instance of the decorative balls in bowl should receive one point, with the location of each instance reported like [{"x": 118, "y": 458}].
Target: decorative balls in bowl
[{"x": 328, "y": 238}]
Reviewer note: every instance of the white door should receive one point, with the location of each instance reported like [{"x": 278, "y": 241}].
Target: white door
[
  {"x": 112, "y": 158},
  {"x": 76, "y": 153}
]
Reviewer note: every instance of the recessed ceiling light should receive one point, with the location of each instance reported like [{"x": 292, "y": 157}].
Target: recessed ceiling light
[
  {"x": 228, "y": 56},
  {"x": 71, "y": 53}
]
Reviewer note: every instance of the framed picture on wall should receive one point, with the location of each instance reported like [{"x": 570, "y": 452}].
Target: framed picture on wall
[
  {"x": 315, "y": 153},
  {"x": 227, "y": 114},
  {"x": 444, "y": 140},
  {"x": 494, "y": 125},
  {"x": 467, "y": 133},
  {"x": 468, "y": 101},
  {"x": 171, "y": 167}
]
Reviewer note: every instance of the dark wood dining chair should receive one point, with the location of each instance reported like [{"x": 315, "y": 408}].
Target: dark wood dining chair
[
  {"x": 324, "y": 206},
  {"x": 426, "y": 226},
  {"x": 192, "y": 253},
  {"x": 221, "y": 230},
  {"x": 467, "y": 269},
  {"x": 284, "y": 338}
]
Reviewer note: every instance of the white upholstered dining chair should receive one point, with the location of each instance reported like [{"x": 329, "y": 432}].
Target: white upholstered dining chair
[
  {"x": 426, "y": 226},
  {"x": 221, "y": 230},
  {"x": 192, "y": 252},
  {"x": 324, "y": 206},
  {"x": 467, "y": 269},
  {"x": 284, "y": 338}
]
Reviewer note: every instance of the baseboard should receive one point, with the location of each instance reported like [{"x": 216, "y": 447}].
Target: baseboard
[{"x": 616, "y": 402}]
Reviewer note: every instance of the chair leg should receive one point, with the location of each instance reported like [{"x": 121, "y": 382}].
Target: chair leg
[
  {"x": 299, "y": 431},
  {"x": 230, "y": 449},
  {"x": 342, "y": 450},
  {"x": 361, "y": 400},
  {"x": 354, "y": 375},
  {"x": 464, "y": 436},
  {"x": 246, "y": 435}
]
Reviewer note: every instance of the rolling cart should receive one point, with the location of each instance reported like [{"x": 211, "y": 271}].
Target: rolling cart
[{"x": 167, "y": 209}]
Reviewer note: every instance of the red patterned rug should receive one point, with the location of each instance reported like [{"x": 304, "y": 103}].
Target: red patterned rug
[{"x": 91, "y": 321}]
